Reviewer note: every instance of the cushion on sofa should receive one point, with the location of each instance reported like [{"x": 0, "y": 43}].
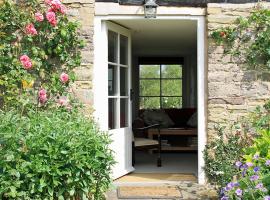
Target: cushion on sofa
[
  {"x": 179, "y": 117},
  {"x": 193, "y": 120},
  {"x": 157, "y": 117}
]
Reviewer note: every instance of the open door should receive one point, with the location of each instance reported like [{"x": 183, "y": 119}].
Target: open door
[{"x": 119, "y": 101}]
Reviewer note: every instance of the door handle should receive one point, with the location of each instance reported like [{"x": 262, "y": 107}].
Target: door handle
[{"x": 131, "y": 94}]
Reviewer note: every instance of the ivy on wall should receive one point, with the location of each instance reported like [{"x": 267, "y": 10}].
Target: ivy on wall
[{"x": 248, "y": 39}]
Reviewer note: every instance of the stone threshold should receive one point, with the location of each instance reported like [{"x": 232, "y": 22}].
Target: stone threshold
[{"x": 190, "y": 190}]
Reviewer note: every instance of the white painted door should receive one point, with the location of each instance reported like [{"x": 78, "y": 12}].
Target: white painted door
[{"x": 119, "y": 103}]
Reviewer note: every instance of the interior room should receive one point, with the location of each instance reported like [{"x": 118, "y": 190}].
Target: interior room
[{"x": 164, "y": 88}]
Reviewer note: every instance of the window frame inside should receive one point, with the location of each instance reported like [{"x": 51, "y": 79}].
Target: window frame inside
[{"x": 161, "y": 61}]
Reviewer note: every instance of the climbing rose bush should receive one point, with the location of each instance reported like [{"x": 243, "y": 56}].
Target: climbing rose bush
[
  {"x": 48, "y": 149},
  {"x": 39, "y": 50}
]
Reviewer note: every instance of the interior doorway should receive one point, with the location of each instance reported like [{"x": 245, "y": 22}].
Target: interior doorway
[
  {"x": 168, "y": 39},
  {"x": 164, "y": 80}
]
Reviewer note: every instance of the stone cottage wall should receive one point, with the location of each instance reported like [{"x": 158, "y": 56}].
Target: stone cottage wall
[
  {"x": 83, "y": 11},
  {"x": 232, "y": 92}
]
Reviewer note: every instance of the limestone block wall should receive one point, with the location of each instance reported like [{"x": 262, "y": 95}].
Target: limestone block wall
[
  {"x": 83, "y": 11},
  {"x": 232, "y": 91}
]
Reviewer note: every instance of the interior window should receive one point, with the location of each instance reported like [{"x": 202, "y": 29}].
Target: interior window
[{"x": 160, "y": 86}]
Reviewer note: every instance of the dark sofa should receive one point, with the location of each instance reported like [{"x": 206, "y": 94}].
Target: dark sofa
[{"x": 180, "y": 117}]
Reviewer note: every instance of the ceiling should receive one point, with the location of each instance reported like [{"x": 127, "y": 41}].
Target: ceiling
[{"x": 162, "y": 37}]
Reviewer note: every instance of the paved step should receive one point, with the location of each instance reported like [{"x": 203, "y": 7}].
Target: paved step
[{"x": 189, "y": 190}]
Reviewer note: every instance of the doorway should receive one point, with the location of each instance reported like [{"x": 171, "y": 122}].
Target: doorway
[{"x": 122, "y": 136}]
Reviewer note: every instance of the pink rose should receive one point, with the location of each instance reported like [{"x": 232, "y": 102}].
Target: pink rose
[
  {"x": 26, "y": 62},
  {"x": 51, "y": 17},
  {"x": 30, "y": 29},
  {"x": 50, "y": 10},
  {"x": 56, "y": 4},
  {"x": 54, "y": 23},
  {"x": 39, "y": 17},
  {"x": 27, "y": 65},
  {"x": 42, "y": 96},
  {"x": 63, "y": 9},
  {"x": 63, "y": 101},
  {"x": 24, "y": 58},
  {"x": 64, "y": 77}
]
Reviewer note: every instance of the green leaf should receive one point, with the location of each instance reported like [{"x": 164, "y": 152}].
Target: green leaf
[
  {"x": 72, "y": 192},
  {"x": 61, "y": 197}
]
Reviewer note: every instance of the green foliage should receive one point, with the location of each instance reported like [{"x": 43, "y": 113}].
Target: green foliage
[
  {"x": 261, "y": 147},
  {"x": 248, "y": 39},
  {"x": 221, "y": 154},
  {"x": 53, "y": 50},
  {"x": 52, "y": 155},
  {"x": 260, "y": 119},
  {"x": 48, "y": 150},
  {"x": 253, "y": 177}
]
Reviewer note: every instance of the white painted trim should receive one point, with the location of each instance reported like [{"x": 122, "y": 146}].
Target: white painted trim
[
  {"x": 99, "y": 53},
  {"x": 201, "y": 85},
  {"x": 99, "y": 76},
  {"x": 116, "y": 9}
]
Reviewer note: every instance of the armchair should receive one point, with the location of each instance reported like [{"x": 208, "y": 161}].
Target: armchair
[{"x": 141, "y": 142}]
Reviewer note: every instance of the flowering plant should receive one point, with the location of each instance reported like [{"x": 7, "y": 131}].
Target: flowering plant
[
  {"x": 247, "y": 40},
  {"x": 38, "y": 52},
  {"x": 253, "y": 177},
  {"x": 221, "y": 153}
]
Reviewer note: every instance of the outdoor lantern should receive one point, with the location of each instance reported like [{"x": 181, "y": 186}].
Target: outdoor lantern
[{"x": 150, "y": 9}]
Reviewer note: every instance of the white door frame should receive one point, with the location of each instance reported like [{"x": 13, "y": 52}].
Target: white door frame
[{"x": 100, "y": 97}]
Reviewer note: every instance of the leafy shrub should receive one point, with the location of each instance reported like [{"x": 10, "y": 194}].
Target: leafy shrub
[
  {"x": 52, "y": 155},
  {"x": 253, "y": 176},
  {"x": 220, "y": 154}
]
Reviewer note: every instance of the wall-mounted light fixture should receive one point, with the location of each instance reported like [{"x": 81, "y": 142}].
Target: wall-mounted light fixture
[{"x": 150, "y": 9}]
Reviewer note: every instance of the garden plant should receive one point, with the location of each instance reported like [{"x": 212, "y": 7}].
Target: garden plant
[
  {"x": 248, "y": 41},
  {"x": 49, "y": 150}
]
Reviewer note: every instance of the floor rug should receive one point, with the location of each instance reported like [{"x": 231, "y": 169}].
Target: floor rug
[
  {"x": 148, "y": 192},
  {"x": 157, "y": 177}
]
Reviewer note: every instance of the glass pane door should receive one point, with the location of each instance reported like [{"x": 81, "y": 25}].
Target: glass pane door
[{"x": 118, "y": 81}]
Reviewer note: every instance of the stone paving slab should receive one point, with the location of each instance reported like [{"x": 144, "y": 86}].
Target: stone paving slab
[{"x": 189, "y": 190}]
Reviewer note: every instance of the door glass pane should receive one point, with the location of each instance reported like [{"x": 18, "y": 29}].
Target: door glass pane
[
  {"x": 149, "y": 71},
  {"x": 149, "y": 87},
  {"x": 149, "y": 102},
  {"x": 124, "y": 112},
  {"x": 112, "y": 46},
  {"x": 112, "y": 80},
  {"x": 123, "y": 81},
  {"x": 112, "y": 113},
  {"x": 172, "y": 87},
  {"x": 171, "y": 71},
  {"x": 123, "y": 50},
  {"x": 171, "y": 102}
]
